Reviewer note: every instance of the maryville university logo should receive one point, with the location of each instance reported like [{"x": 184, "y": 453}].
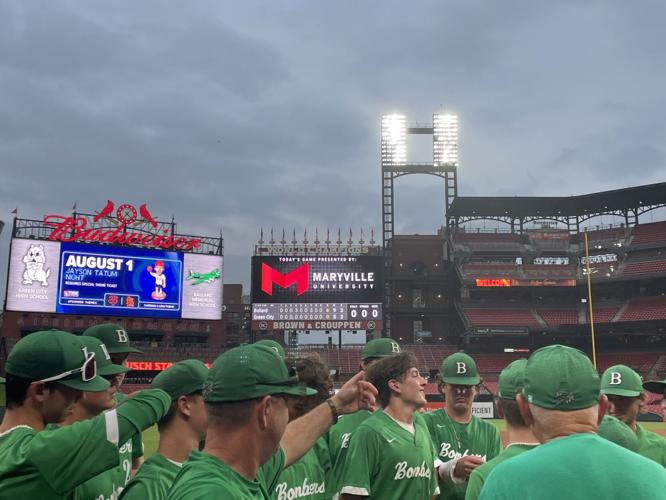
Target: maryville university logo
[
  {"x": 126, "y": 226},
  {"x": 299, "y": 276}
]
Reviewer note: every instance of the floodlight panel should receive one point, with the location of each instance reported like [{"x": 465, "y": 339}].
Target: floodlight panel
[
  {"x": 445, "y": 139},
  {"x": 394, "y": 139}
]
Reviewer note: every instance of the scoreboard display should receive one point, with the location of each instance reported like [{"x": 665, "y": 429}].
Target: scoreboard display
[
  {"x": 317, "y": 292},
  {"x": 76, "y": 278}
]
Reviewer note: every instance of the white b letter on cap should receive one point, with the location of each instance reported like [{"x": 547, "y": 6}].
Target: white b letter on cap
[
  {"x": 462, "y": 367},
  {"x": 122, "y": 336},
  {"x": 616, "y": 378},
  {"x": 395, "y": 347}
]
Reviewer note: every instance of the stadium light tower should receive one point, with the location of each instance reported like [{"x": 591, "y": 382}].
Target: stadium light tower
[{"x": 444, "y": 131}]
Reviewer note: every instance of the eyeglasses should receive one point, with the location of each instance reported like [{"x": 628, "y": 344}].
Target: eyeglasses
[{"x": 88, "y": 370}]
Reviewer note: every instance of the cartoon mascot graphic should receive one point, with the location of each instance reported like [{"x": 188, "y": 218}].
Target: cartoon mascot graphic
[
  {"x": 160, "y": 280},
  {"x": 34, "y": 261}
]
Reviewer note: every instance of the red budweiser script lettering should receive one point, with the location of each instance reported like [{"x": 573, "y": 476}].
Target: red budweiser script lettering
[
  {"x": 70, "y": 229},
  {"x": 300, "y": 276}
]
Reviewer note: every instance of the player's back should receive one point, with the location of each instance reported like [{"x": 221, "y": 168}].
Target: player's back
[{"x": 576, "y": 466}]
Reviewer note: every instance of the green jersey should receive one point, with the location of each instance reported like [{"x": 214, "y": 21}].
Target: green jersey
[
  {"x": 577, "y": 466},
  {"x": 651, "y": 445},
  {"x": 305, "y": 478},
  {"x": 205, "y": 476},
  {"x": 50, "y": 464},
  {"x": 386, "y": 461},
  {"x": 153, "y": 480},
  {"x": 480, "y": 474},
  {"x": 338, "y": 437},
  {"x": 109, "y": 484},
  {"x": 454, "y": 440}
]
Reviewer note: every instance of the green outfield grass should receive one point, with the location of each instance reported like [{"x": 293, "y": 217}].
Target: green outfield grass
[{"x": 151, "y": 437}]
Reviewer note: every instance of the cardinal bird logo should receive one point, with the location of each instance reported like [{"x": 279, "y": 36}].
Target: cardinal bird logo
[
  {"x": 143, "y": 210},
  {"x": 105, "y": 212}
]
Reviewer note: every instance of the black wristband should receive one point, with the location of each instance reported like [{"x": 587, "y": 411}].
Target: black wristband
[{"x": 334, "y": 410}]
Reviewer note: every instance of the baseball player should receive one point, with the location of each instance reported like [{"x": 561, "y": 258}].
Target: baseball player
[
  {"x": 307, "y": 477},
  {"x": 249, "y": 438},
  {"x": 562, "y": 404},
  {"x": 618, "y": 432},
  {"x": 520, "y": 435},
  {"x": 181, "y": 430},
  {"x": 391, "y": 455},
  {"x": 117, "y": 343},
  {"x": 338, "y": 435},
  {"x": 462, "y": 440},
  {"x": 624, "y": 389},
  {"x": 46, "y": 372}
]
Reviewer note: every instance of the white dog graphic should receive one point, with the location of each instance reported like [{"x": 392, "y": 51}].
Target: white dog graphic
[{"x": 34, "y": 262}]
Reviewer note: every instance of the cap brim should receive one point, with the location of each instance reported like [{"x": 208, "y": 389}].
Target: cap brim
[
  {"x": 461, "y": 380},
  {"x": 627, "y": 393},
  {"x": 112, "y": 370},
  {"x": 124, "y": 350},
  {"x": 97, "y": 384},
  {"x": 296, "y": 390},
  {"x": 2, "y": 380},
  {"x": 656, "y": 386}
]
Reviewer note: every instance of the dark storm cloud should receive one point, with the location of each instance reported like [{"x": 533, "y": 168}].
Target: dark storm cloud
[{"x": 242, "y": 115}]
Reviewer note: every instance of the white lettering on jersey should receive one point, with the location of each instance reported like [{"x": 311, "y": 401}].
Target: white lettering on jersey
[
  {"x": 345, "y": 440},
  {"x": 404, "y": 472},
  {"x": 304, "y": 490},
  {"x": 616, "y": 378},
  {"x": 447, "y": 452}
]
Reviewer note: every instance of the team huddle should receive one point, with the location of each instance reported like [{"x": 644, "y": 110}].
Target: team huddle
[{"x": 260, "y": 424}]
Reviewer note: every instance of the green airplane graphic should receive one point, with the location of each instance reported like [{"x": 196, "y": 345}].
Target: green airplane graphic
[{"x": 203, "y": 277}]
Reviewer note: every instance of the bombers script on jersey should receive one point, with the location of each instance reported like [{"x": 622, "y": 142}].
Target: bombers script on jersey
[{"x": 304, "y": 490}]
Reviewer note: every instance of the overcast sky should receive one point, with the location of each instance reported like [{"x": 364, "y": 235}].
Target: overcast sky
[{"x": 242, "y": 115}]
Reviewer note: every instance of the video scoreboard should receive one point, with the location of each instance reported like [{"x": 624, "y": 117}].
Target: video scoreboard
[
  {"x": 78, "y": 278},
  {"x": 317, "y": 292}
]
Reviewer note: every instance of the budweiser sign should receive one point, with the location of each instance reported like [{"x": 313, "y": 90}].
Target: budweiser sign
[{"x": 81, "y": 229}]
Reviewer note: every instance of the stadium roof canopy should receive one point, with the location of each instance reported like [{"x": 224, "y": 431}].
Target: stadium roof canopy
[{"x": 634, "y": 200}]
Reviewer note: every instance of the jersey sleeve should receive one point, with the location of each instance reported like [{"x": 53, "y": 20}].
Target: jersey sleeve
[
  {"x": 68, "y": 456},
  {"x": 496, "y": 448},
  {"x": 137, "y": 489},
  {"x": 474, "y": 485},
  {"x": 137, "y": 445},
  {"x": 361, "y": 464},
  {"x": 269, "y": 473}
]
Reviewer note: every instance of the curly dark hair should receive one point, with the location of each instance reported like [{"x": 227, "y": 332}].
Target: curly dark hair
[{"x": 314, "y": 373}]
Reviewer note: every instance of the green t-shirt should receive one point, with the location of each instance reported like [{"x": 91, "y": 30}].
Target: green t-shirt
[
  {"x": 454, "y": 440},
  {"x": 338, "y": 437},
  {"x": 204, "y": 476},
  {"x": 305, "y": 478},
  {"x": 51, "y": 463},
  {"x": 480, "y": 474},
  {"x": 651, "y": 445},
  {"x": 153, "y": 480},
  {"x": 576, "y": 466},
  {"x": 386, "y": 461}
]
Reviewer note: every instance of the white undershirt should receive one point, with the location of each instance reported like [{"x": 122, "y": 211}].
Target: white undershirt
[{"x": 408, "y": 427}]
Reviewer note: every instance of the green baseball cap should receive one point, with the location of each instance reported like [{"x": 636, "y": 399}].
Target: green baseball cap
[
  {"x": 656, "y": 386},
  {"x": 618, "y": 432},
  {"x": 620, "y": 380},
  {"x": 182, "y": 378},
  {"x": 511, "y": 380},
  {"x": 380, "y": 348},
  {"x": 249, "y": 372},
  {"x": 273, "y": 345},
  {"x": 559, "y": 377},
  {"x": 104, "y": 365},
  {"x": 54, "y": 355},
  {"x": 114, "y": 336},
  {"x": 460, "y": 369}
]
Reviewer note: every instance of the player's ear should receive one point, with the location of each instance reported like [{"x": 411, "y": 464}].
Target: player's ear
[
  {"x": 263, "y": 410},
  {"x": 603, "y": 407},
  {"x": 38, "y": 391},
  {"x": 500, "y": 410},
  {"x": 524, "y": 408},
  {"x": 183, "y": 405}
]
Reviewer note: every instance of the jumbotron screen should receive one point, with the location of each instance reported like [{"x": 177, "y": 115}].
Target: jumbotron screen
[
  {"x": 75, "y": 278},
  {"x": 317, "y": 292}
]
